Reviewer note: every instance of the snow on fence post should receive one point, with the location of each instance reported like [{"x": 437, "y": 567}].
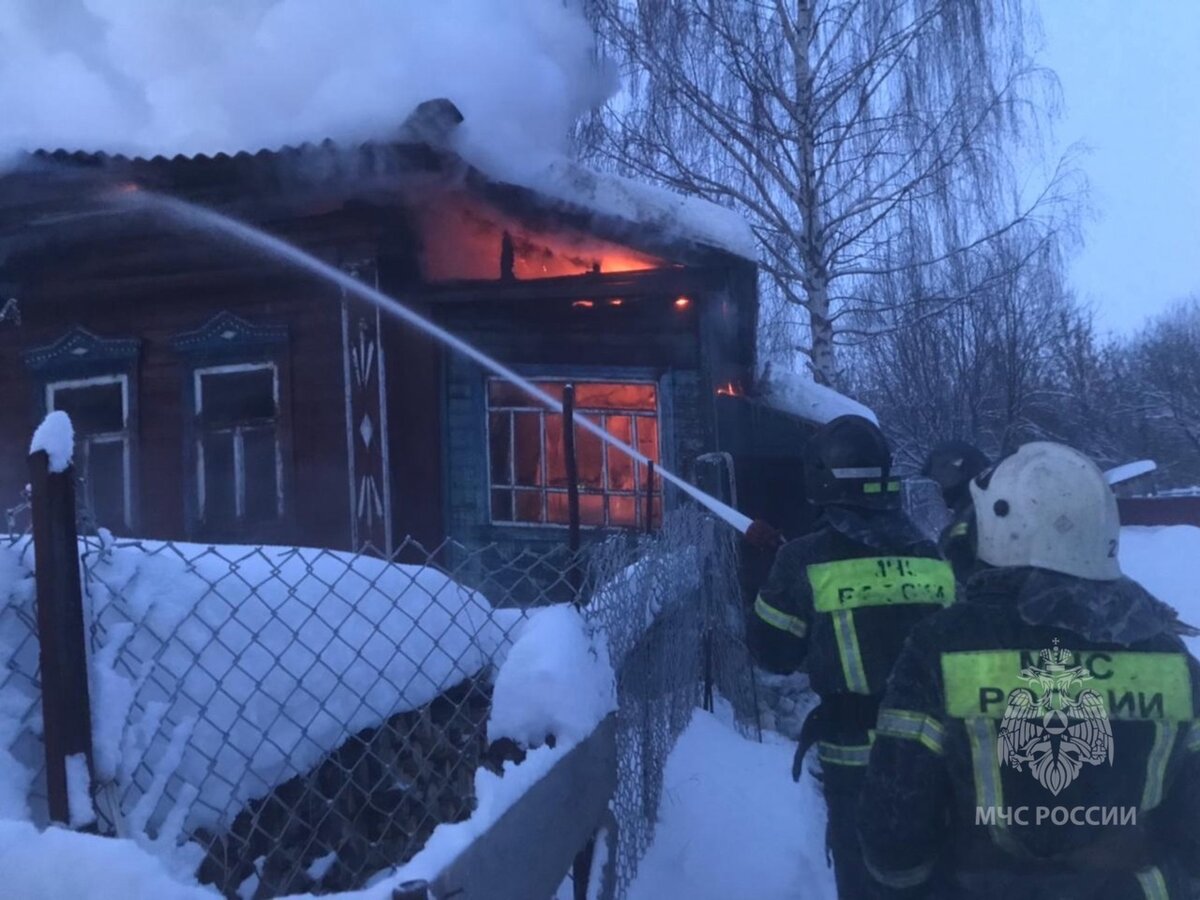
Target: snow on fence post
[{"x": 66, "y": 712}]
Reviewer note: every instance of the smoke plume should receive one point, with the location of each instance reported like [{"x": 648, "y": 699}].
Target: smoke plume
[{"x": 192, "y": 76}]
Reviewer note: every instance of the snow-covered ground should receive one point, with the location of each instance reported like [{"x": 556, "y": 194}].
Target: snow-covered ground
[
  {"x": 552, "y": 648},
  {"x": 733, "y": 824},
  {"x": 1159, "y": 558},
  {"x": 224, "y": 671}
]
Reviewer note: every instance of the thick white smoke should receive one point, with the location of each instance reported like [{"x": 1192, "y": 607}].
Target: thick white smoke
[{"x": 191, "y": 76}]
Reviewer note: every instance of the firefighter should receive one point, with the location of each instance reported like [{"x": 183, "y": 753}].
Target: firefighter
[
  {"x": 1039, "y": 738},
  {"x": 952, "y": 464},
  {"x": 846, "y": 596}
]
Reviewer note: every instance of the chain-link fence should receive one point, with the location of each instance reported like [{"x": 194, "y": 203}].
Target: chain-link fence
[
  {"x": 23, "y": 792},
  {"x": 671, "y": 609},
  {"x": 283, "y": 720}
]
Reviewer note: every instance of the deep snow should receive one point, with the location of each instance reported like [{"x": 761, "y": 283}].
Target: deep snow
[
  {"x": 732, "y": 823},
  {"x": 1159, "y": 558},
  {"x": 249, "y": 664},
  {"x": 554, "y": 679}
]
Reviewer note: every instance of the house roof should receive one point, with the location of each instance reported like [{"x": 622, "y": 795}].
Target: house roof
[{"x": 607, "y": 205}]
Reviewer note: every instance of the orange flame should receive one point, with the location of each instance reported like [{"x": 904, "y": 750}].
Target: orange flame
[{"x": 729, "y": 389}]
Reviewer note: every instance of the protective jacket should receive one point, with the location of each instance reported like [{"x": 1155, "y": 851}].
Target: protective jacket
[
  {"x": 845, "y": 597},
  {"x": 1038, "y": 740},
  {"x": 849, "y": 593}
]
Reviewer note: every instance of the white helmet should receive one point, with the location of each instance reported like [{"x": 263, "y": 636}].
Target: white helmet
[{"x": 1047, "y": 506}]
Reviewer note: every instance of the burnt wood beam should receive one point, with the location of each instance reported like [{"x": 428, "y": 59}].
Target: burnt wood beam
[{"x": 667, "y": 281}]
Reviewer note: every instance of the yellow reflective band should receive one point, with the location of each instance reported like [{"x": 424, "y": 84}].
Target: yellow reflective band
[
  {"x": 1134, "y": 686},
  {"x": 985, "y": 763},
  {"x": 985, "y": 768},
  {"x": 779, "y": 619},
  {"x": 1154, "y": 886},
  {"x": 959, "y": 530},
  {"x": 852, "y": 662},
  {"x": 912, "y": 726},
  {"x": 843, "y": 754},
  {"x": 901, "y": 879},
  {"x": 875, "y": 487},
  {"x": 880, "y": 581},
  {"x": 1156, "y": 763}
]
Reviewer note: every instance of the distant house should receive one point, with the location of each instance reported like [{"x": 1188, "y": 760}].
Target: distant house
[{"x": 220, "y": 395}]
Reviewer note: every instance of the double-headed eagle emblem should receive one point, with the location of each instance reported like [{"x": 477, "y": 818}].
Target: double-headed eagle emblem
[{"x": 1051, "y": 731}]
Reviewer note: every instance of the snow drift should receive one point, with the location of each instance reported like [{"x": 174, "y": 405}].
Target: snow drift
[
  {"x": 219, "y": 673},
  {"x": 1156, "y": 557}
]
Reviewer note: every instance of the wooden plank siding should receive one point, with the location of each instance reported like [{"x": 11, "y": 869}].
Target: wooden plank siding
[
  {"x": 139, "y": 276},
  {"x": 156, "y": 288}
]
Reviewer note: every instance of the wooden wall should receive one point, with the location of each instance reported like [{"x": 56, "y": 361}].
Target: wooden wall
[
  {"x": 153, "y": 285},
  {"x": 154, "y": 288}
]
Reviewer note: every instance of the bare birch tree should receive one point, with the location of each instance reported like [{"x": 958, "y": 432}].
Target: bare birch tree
[
  {"x": 1018, "y": 363},
  {"x": 832, "y": 125},
  {"x": 1158, "y": 379}
]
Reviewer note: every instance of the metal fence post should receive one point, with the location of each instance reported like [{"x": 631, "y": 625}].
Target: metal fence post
[
  {"x": 650, "y": 497},
  {"x": 66, "y": 709},
  {"x": 572, "y": 465}
]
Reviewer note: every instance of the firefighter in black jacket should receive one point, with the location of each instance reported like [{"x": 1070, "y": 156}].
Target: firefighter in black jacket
[
  {"x": 1039, "y": 739},
  {"x": 952, "y": 464},
  {"x": 847, "y": 595}
]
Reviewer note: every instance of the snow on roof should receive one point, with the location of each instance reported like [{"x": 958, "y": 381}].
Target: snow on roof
[
  {"x": 553, "y": 176},
  {"x": 56, "y": 437},
  {"x": 689, "y": 218},
  {"x": 799, "y": 395}
]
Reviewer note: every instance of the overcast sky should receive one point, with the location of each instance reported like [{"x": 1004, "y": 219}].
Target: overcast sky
[{"x": 1130, "y": 75}]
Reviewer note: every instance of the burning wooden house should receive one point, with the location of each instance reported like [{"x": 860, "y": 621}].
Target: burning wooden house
[{"x": 222, "y": 395}]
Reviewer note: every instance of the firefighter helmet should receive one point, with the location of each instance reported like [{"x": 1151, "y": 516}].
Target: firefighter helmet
[
  {"x": 848, "y": 462},
  {"x": 1050, "y": 507}
]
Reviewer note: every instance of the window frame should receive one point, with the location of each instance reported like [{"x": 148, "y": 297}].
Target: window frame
[
  {"x": 638, "y": 494},
  {"x": 202, "y": 432},
  {"x": 125, "y": 437}
]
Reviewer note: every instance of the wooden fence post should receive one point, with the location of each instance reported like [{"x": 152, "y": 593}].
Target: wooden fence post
[{"x": 66, "y": 709}]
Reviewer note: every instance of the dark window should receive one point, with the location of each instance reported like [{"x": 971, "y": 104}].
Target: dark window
[
  {"x": 238, "y": 444},
  {"x": 99, "y": 411},
  {"x": 527, "y": 463}
]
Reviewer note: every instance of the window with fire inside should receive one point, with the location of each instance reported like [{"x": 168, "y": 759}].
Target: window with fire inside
[{"x": 528, "y": 460}]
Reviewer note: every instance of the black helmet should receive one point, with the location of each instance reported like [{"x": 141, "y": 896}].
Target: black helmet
[
  {"x": 848, "y": 462},
  {"x": 952, "y": 464}
]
